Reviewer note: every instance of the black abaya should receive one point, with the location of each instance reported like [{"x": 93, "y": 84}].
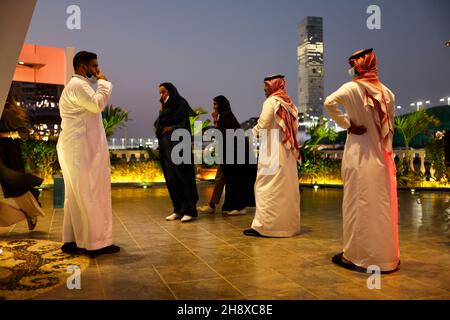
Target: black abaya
[
  {"x": 239, "y": 178},
  {"x": 13, "y": 179},
  {"x": 180, "y": 178}
]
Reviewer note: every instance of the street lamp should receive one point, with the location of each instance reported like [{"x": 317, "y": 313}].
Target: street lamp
[
  {"x": 399, "y": 108},
  {"x": 445, "y": 98},
  {"x": 419, "y": 104}
]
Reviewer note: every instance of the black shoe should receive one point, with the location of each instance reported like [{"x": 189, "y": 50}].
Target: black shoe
[
  {"x": 106, "y": 250},
  {"x": 36, "y": 193},
  {"x": 337, "y": 259},
  {"x": 70, "y": 248},
  {"x": 252, "y": 233},
  {"x": 32, "y": 221},
  {"x": 392, "y": 271}
]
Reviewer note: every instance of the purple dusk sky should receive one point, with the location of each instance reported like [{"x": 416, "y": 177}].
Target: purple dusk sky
[{"x": 212, "y": 47}]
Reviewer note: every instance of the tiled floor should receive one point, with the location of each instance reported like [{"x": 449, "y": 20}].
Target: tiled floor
[{"x": 211, "y": 259}]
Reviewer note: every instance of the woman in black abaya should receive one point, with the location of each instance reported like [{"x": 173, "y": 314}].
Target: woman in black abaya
[
  {"x": 239, "y": 178},
  {"x": 19, "y": 198},
  {"x": 180, "y": 178}
]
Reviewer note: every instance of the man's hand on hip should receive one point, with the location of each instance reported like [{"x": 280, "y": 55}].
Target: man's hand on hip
[{"x": 358, "y": 130}]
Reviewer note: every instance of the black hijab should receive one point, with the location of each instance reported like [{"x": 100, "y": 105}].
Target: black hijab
[
  {"x": 14, "y": 117},
  {"x": 227, "y": 120},
  {"x": 175, "y": 112}
]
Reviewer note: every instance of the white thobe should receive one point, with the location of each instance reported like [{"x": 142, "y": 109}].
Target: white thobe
[
  {"x": 84, "y": 158},
  {"x": 277, "y": 192},
  {"x": 370, "y": 207}
]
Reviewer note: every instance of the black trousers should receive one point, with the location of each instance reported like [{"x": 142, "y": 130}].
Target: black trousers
[
  {"x": 239, "y": 186},
  {"x": 180, "y": 180}
]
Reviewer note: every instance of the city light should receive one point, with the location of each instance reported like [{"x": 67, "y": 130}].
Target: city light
[
  {"x": 445, "y": 98},
  {"x": 419, "y": 104}
]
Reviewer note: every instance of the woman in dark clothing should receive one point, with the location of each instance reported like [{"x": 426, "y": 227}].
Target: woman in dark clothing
[
  {"x": 239, "y": 178},
  {"x": 180, "y": 178},
  {"x": 18, "y": 187},
  {"x": 219, "y": 180}
]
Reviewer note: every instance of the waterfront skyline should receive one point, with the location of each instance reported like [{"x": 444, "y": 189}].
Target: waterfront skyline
[{"x": 207, "y": 48}]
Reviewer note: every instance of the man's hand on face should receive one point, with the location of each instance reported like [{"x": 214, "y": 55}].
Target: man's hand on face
[
  {"x": 100, "y": 75},
  {"x": 358, "y": 130}
]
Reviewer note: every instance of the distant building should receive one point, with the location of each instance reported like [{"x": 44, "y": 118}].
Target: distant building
[
  {"x": 310, "y": 66},
  {"x": 38, "y": 82}
]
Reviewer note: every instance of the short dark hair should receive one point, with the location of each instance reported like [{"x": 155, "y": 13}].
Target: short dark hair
[{"x": 83, "y": 57}]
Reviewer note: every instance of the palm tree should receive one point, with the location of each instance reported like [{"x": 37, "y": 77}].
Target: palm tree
[
  {"x": 411, "y": 125},
  {"x": 317, "y": 133},
  {"x": 113, "y": 119},
  {"x": 199, "y": 112}
]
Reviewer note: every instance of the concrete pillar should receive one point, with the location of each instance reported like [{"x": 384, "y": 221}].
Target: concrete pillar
[
  {"x": 70, "y": 53},
  {"x": 422, "y": 161},
  {"x": 411, "y": 161},
  {"x": 15, "y": 18}
]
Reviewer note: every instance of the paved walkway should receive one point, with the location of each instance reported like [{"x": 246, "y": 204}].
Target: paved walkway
[{"x": 211, "y": 259}]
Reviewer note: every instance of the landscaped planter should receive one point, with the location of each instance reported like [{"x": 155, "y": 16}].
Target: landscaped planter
[
  {"x": 206, "y": 173},
  {"x": 58, "y": 191}
]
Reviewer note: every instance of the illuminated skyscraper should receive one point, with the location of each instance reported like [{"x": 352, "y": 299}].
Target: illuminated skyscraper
[{"x": 310, "y": 66}]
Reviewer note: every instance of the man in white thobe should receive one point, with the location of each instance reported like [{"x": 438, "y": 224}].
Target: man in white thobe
[
  {"x": 277, "y": 192},
  {"x": 84, "y": 158},
  {"x": 368, "y": 170}
]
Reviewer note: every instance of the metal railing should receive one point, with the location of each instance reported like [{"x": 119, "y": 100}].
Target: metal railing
[{"x": 414, "y": 154}]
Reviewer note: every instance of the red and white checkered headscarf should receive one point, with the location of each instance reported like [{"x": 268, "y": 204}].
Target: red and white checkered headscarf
[
  {"x": 286, "y": 114},
  {"x": 365, "y": 64}
]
